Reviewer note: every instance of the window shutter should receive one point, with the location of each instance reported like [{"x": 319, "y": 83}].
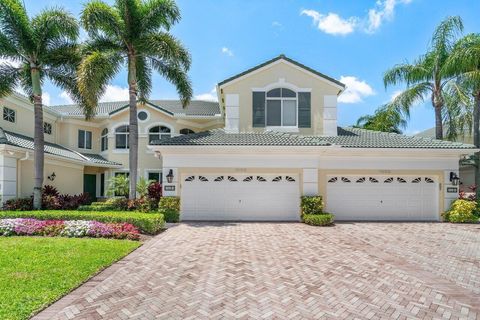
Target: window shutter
[
  {"x": 304, "y": 110},
  {"x": 258, "y": 112}
]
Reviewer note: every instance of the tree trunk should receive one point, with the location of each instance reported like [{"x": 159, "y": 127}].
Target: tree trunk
[
  {"x": 133, "y": 127},
  {"x": 38, "y": 139},
  {"x": 437, "y": 103},
  {"x": 476, "y": 141}
]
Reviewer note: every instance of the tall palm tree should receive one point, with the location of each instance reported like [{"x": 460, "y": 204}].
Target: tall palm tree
[
  {"x": 132, "y": 33},
  {"x": 384, "y": 119},
  {"x": 427, "y": 76},
  {"x": 38, "y": 48}
]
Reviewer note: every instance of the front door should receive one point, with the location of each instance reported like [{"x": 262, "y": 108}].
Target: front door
[{"x": 90, "y": 185}]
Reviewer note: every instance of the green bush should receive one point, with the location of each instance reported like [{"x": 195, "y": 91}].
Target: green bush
[
  {"x": 170, "y": 215},
  {"x": 149, "y": 223},
  {"x": 324, "y": 219},
  {"x": 172, "y": 203},
  {"x": 461, "y": 211},
  {"x": 311, "y": 205}
]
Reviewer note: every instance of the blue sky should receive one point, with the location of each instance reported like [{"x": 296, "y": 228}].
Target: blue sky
[{"x": 355, "y": 41}]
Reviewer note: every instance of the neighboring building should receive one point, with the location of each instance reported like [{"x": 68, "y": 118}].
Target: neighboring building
[
  {"x": 467, "y": 172},
  {"x": 272, "y": 137}
]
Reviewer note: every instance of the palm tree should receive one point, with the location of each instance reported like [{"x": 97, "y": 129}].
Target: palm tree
[
  {"x": 427, "y": 76},
  {"x": 384, "y": 119},
  {"x": 132, "y": 33},
  {"x": 38, "y": 48}
]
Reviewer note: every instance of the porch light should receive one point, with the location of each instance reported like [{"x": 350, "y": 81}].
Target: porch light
[
  {"x": 170, "y": 176},
  {"x": 52, "y": 176},
  {"x": 454, "y": 179}
]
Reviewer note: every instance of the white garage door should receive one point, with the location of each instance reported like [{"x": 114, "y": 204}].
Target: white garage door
[
  {"x": 382, "y": 197},
  {"x": 240, "y": 197}
]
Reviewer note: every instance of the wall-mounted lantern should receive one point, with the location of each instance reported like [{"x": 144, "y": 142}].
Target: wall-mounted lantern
[
  {"x": 170, "y": 176},
  {"x": 454, "y": 179},
  {"x": 52, "y": 176}
]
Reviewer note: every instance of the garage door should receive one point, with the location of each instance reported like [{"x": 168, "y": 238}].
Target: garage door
[
  {"x": 240, "y": 197},
  {"x": 382, "y": 197}
]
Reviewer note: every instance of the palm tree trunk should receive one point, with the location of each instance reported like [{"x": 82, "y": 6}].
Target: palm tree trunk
[
  {"x": 438, "y": 122},
  {"x": 133, "y": 127},
  {"x": 38, "y": 139},
  {"x": 476, "y": 141}
]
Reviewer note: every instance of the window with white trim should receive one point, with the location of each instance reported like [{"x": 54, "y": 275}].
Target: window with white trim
[
  {"x": 281, "y": 108},
  {"x": 121, "y": 137},
  {"x": 158, "y": 133},
  {"x": 9, "y": 114},
  {"x": 84, "y": 139},
  {"x": 104, "y": 139}
]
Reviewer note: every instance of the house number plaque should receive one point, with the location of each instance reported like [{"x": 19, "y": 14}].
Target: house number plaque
[
  {"x": 452, "y": 190},
  {"x": 169, "y": 188}
]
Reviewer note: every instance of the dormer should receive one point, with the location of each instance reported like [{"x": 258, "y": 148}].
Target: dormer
[{"x": 281, "y": 95}]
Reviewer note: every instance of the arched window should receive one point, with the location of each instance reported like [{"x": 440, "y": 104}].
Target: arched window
[
  {"x": 121, "y": 137},
  {"x": 186, "y": 131},
  {"x": 281, "y": 108},
  {"x": 158, "y": 133},
  {"x": 104, "y": 139}
]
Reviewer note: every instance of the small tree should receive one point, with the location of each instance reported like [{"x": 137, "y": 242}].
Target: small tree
[
  {"x": 142, "y": 187},
  {"x": 118, "y": 186}
]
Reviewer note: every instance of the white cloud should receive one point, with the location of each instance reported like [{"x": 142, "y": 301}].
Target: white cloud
[
  {"x": 356, "y": 90},
  {"x": 9, "y": 61},
  {"x": 227, "y": 51},
  {"x": 276, "y": 24},
  {"x": 331, "y": 23},
  {"x": 208, "y": 96},
  {"x": 65, "y": 97},
  {"x": 46, "y": 98},
  {"x": 334, "y": 24},
  {"x": 114, "y": 93}
]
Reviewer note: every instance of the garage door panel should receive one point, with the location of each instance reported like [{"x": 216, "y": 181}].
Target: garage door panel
[
  {"x": 240, "y": 197},
  {"x": 382, "y": 197}
]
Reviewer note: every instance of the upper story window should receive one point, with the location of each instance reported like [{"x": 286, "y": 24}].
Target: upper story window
[
  {"x": 158, "y": 133},
  {"x": 281, "y": 108},
  {"x": 186, "y": 131},
  {"x": 121, "y": 137},
  {"x": 104, "y": 139},
  {"x": 84, "y": 139},
  {"x": 47, "y": 128},
  {"x": 9, "y": 114}
]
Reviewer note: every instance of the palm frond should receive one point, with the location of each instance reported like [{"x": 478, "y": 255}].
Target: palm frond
[
  {"x": 410, "y": 97},
  {"x": 7, "y": 48},
  {"x": 419, "y": 71},
  {"x": 131, "y": 16},
  {"x": 61, "y": 54},
  {"x": 9, "y": 77},
  {"x": 157, "y": 14},
  {"x": 164, "y": 47},
  {"x": 445, "y": 35},
  {"x": 15, "y": 24},
  {"x": 458, "y": 111},
  {"x": 98, "y": 17},
  {"x": 175, "y": 74},
  {"x": 102, "y": 43},
  {"x": 144, "y": 78}
]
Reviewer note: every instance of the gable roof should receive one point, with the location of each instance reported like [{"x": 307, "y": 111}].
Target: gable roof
[
  {"x": 18, "y": 140},
  {"x": 196, "y": 108},
  {"x": 346, "y": 138},
  {"x": 285, "y": 58}
]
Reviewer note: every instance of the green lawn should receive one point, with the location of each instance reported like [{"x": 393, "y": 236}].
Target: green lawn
[{"x": 36, "y": 271}]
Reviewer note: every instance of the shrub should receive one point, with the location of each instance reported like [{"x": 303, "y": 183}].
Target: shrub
[
  {"x": 311, "y": 205},
  {"x": 154, "y": 195},
  {"x": 324, "y": 219},
  {"x": 461, "y": 211},
  {"x": 171, "y": 216},
  {"x": 119, "y": 186},
  {"x": 50, "y": 191},
  {"x": 149, "y": 223},
  {"x": 172, "y": 203},
  {"x": 19, "y": 204},
  {"x": 120, "y": 204}
]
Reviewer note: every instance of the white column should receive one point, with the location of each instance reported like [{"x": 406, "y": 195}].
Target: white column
[
  {"x": 232, "y": 112},
  {"x": 310, "y": 182},
  {"x": 330, "y": 115},
  {"x": 8, "y": 178},
  {"x": 170, "y": 189}
]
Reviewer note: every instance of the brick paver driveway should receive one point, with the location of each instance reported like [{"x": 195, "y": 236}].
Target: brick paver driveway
[{"x": 290, "y": 270}]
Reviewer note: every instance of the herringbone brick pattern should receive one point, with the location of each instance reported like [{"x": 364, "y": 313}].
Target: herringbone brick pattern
[{"x": 289, "y": 271}]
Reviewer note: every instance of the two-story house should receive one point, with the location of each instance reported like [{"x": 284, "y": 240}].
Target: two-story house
[{"x": 272, "y": 137}]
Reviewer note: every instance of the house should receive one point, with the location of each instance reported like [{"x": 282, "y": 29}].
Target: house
[
  {"x": 272, "y": 137},
  {"x": 466, "y": 169},
  {"x": 281, "y": 140}
]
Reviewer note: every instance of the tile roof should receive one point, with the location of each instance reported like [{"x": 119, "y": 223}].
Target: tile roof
[
  {"x": 347, "y": 138},
  {"x": 220, "y": 137},
  {"x": 172, "y": 107},
  {"x": 18, "y": 140},
  {"x": 283, "y": 57}
]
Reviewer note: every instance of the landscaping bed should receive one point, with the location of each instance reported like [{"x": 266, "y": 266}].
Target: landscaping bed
[
  {"x": 36, "y": 271},
  {"x": 147, "y": 223}
]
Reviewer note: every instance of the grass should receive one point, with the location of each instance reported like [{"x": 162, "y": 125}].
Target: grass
[{"x": 35, "y": 271}]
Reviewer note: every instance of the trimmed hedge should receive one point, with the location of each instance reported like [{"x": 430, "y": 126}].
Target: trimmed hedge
[
  {"x": 311, "y": 205},
  {"x": 148, "y": 223},
  {"x": 170, "y": 215},
  {"x": 325, "y": 219}
]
